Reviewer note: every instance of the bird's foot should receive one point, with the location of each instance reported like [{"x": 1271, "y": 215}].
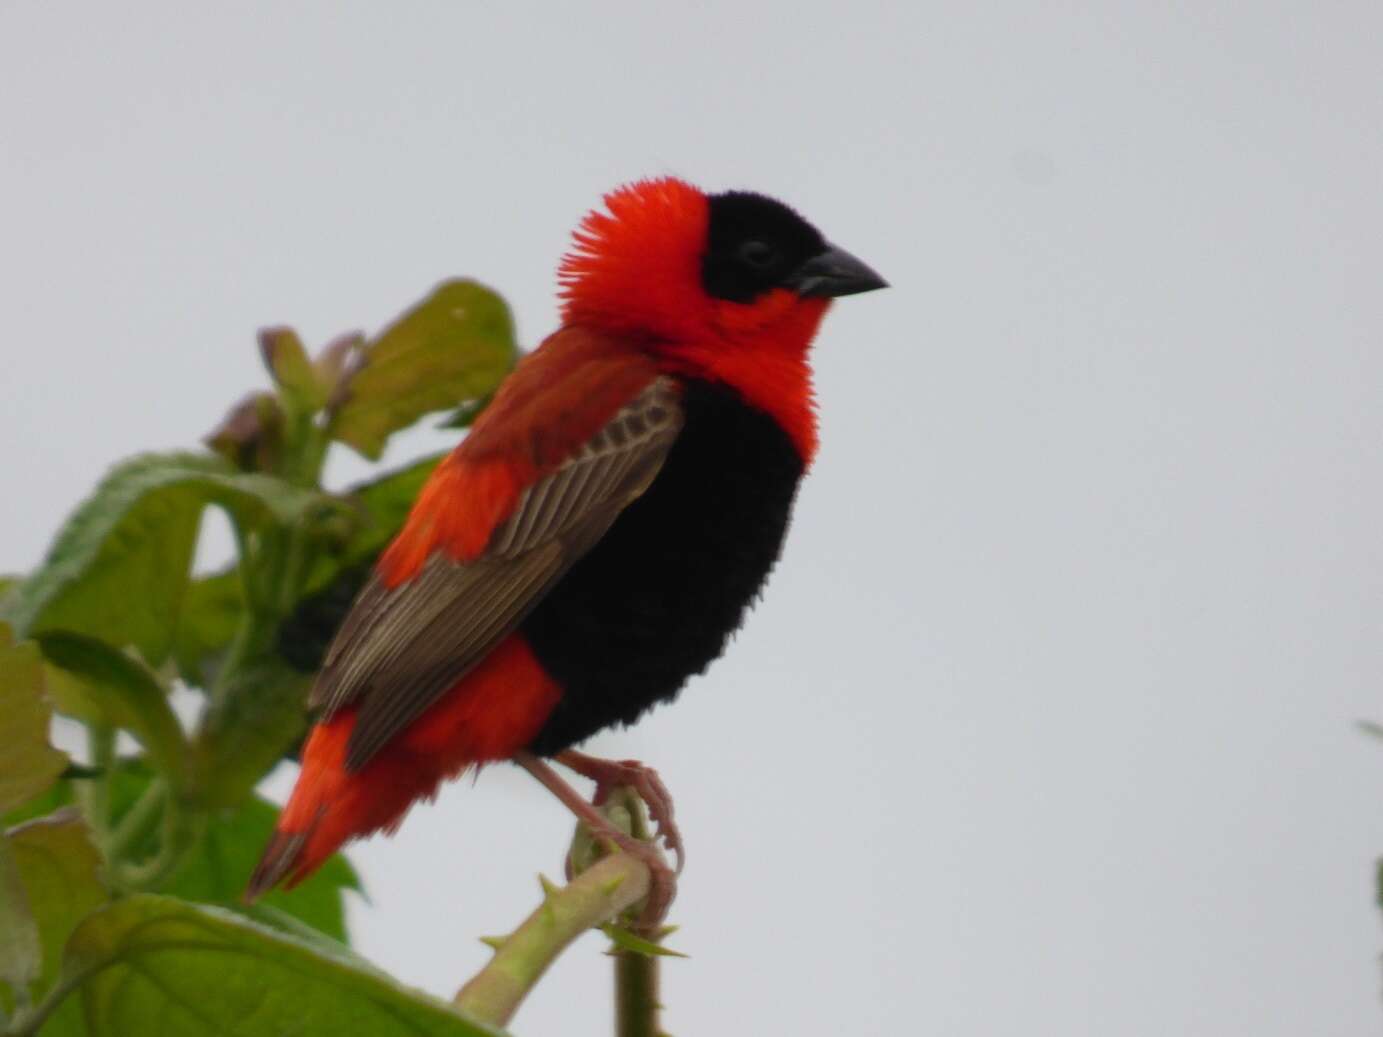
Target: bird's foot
[
  {"x": 609, "y": 775},
  {"x": 662, "y": 879}
]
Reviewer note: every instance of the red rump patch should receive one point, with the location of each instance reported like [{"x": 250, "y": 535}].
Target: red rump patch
[{"x": 491, "y": 713}]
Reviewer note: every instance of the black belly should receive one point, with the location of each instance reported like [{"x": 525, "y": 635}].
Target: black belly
[{"x": 655, "y": 601}]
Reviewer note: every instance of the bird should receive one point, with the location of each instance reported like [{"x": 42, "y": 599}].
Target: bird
[{"x": 598, "y": 535}]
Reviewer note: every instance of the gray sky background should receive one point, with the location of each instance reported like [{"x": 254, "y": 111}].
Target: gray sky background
[{"x": 1046, "y": 724}]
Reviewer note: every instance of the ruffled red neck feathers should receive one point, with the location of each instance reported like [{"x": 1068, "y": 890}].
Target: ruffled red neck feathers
[{"x": 636, "y": 270}]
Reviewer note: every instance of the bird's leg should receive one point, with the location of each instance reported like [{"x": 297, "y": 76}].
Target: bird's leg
[
  {"x": 662, "y": 885},
  {"x": 609, "y": 775}
]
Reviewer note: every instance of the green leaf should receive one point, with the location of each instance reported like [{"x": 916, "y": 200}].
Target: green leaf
[
  {"x": 28, "y": 764},
  {"x": 212, "y": 609},
  {"x": 59, "y": 868},
  {"x": 336, "y": 362},
  {"x": 21, "y": 952},
  {"x": 218, "y": 870},
  {"x": 455, "y": 346},
  {"x": 55, "y": 798},
  {"x": 277, "y": 918},
  {"x": 118, "y": 569},
  {"x": 9, "y": 584},
  {"x": 159, "y": 965},
  {"x": 291, "y": 369},
  {"x": 123, "y": 692},
  {"x": 261, "y": 715}
]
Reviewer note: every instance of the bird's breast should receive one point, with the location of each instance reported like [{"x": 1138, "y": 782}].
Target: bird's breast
[{"x": 657, "y": 598}]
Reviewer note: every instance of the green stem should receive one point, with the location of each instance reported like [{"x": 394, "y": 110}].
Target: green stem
[
  {"x": 182, "y": 831},
  {"x": 637, "y": 976},
  {"x": 293, "y": 572},
  {"x": 600, "y": 894},
  {"x": 636, "y": 995},
  {"x": 29, "y": 1022},
  {"x": 93, "y": 795},
  {"x": 137, "y": 822},
  {"x": 305, "y": 466},
  {"x": 253, "y": 637},
  {"x": 19, "y": 931}
]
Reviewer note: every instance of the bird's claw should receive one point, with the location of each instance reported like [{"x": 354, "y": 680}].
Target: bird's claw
[
  {"x": 649, "y": 787},
  {"x": 645, "y": 783},
  {"x": 662, "y": 883},
  {"x": 609, "y": 775}
]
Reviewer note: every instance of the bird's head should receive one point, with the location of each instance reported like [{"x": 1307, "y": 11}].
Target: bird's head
[{"x": 667, "y": 261}]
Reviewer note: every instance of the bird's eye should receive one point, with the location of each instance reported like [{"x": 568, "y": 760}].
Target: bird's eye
[{"x": 758, "y": 254}]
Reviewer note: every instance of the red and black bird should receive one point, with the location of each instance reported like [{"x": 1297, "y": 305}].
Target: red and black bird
[{"x": 599, "y": 534}]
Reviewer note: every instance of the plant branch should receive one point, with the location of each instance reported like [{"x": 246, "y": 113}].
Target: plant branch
[
  {"x": 637, "y": 973},
  {"x": 94, "y": 795},
  {"x": 28, "y": 1022},
  {"x": 182, "y": 830},
  {"x": 598, "y": 895},
  {"x": 137, "y": 822},
  {"x": 636, "y": 995}
]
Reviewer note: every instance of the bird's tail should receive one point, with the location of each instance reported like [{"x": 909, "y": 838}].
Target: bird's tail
[
  {"x": 492, "y": 712},
  {"x": 331, "y": 804}
]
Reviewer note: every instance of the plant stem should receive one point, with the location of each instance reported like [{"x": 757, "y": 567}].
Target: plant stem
[
  {"x": 22, "y": 943},
  {"x": 93, "y": 795},
  {"x": 137, "y": 822},
  {"x": 637, "y": 1007},
  {"x": 27, "y": 1023},
  {"x": 293, "y": 571},
  {"x": 182, "y": 831},
  {"x": 252, "y": 638},
  {"x": 598, "y": 895},
  {"x": 636, "y": 995}
]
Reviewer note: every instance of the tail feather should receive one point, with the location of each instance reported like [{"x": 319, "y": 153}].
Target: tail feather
[
  {"x": 494, "y": 711},
  {"x": 319, "y": 815},
  {"x": 331, "y": 804},
  {"x": 282, "y": 856}
]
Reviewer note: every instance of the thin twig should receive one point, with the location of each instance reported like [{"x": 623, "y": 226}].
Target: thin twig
[
  {"x": 637, "y": 975},
  {"x": 93, "y": 795},
  {"x": 636, "y": 995},
  {"x": 598, "y": 895},
  {"x": 137, "y": 822}
]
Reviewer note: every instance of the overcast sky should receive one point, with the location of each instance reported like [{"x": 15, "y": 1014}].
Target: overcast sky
[{"x": 1047, "y": 721}]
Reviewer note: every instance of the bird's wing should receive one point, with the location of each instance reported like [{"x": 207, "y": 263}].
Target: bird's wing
[{"x": 497, "y": 525}]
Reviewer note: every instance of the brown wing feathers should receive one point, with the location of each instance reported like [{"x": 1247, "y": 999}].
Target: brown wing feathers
[{"x": 403, "y": 647}]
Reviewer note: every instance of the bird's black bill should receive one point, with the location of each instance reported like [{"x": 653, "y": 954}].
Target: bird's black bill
[{"x": 833, "y": 273}]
